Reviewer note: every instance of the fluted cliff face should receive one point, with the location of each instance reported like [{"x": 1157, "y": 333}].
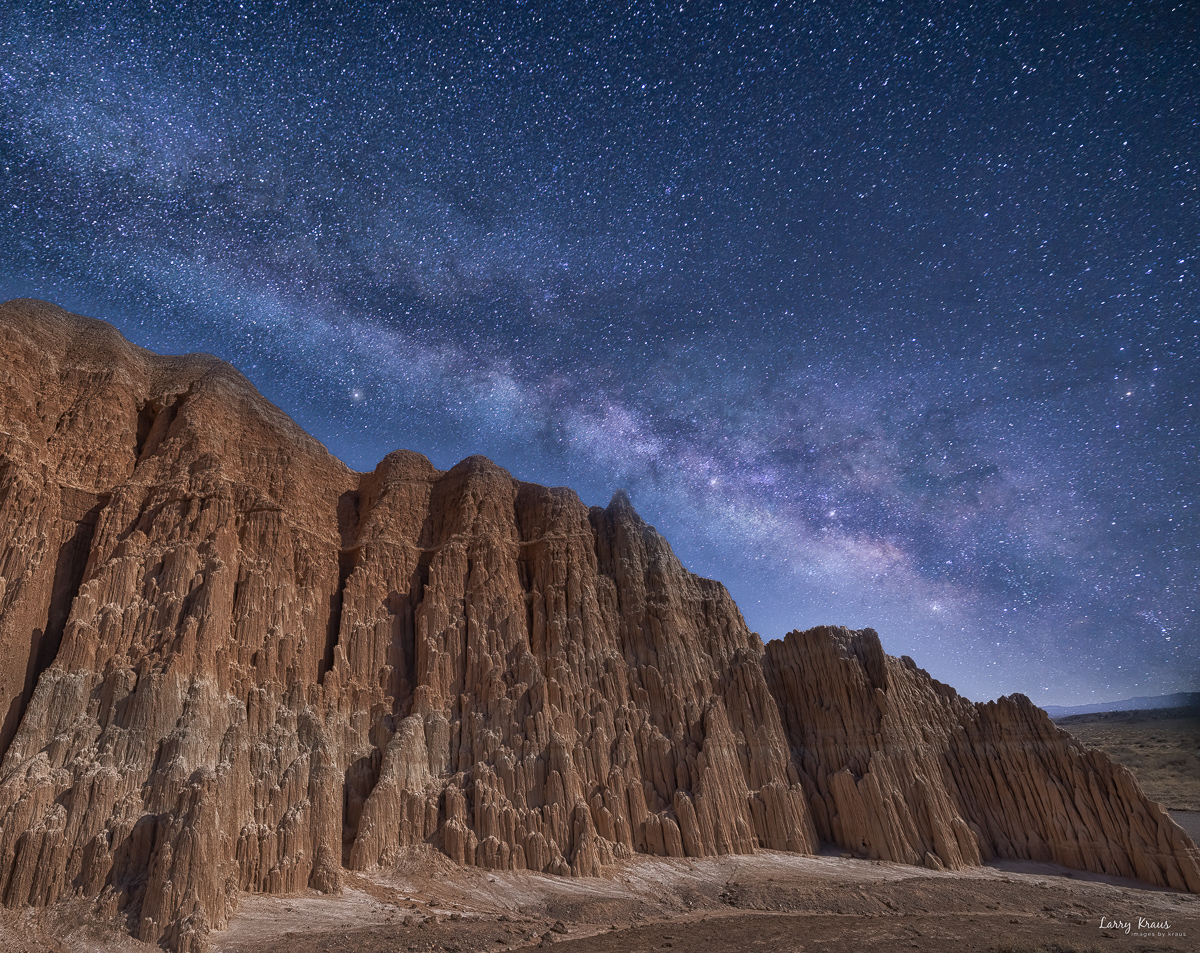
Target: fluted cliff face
[
  {"x": 898, "y": 766},
  {"x": 229, "y": 663}
]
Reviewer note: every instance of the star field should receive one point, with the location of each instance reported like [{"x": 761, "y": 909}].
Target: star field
[{"x": 882, "y": 316}]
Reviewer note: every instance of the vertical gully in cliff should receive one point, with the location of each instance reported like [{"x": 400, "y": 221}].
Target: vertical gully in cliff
[
  {"x": 147, "y": 413},
  {"x": 524, "y": 567},
  {"x": 333, "y": 627},
  {"x": 81, "y": 512},
  {"x": 525, "y": 575},
  {"x": 604, "y": 533},
  {"x": 154, "y": 419},
  {"x": 348, "y": 555}
]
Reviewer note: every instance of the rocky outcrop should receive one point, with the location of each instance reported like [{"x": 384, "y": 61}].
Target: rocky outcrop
[
  {"x": 898, "y": 766},
  {"x": 228, "y": 663}
]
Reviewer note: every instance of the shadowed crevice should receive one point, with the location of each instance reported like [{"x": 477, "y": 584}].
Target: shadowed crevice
[
  {"x": 361, "y": 778},
  {"x": 348, "y": 515},
  {"x": 346, "y": 564},
  {"x": 147, "y": 413},
  {"x": 154, "y": 420},
  {"x": 44, "y": 643}
]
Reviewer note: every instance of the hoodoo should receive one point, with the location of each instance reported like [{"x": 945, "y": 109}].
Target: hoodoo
[{"x": 229, "y": 663}]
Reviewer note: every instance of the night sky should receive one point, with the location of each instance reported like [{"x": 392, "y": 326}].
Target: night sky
[{"x": 882, "y": 316}]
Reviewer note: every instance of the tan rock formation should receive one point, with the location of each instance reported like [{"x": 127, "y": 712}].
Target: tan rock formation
[
  {"x": 898, "y": 766},
  {"x": 229, "y": 663}
]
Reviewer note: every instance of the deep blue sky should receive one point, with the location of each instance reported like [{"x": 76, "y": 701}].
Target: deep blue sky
[{"x": 883, "y": 316}]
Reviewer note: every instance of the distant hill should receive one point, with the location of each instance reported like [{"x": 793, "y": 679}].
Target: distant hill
[{"x": 1143, "y": 703}]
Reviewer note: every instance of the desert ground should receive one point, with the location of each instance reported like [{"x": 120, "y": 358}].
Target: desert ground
[
  {"x": 772, "y": 902},
  {"x": 769, "y": 901}
]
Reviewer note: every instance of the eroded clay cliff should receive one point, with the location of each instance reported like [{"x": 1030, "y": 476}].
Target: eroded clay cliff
[
  {"x": 228, "y": 663},
  {"x": 900, "y": 767}
]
